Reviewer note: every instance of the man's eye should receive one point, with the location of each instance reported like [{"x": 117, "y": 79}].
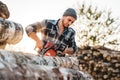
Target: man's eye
[{"x": 69, "y": 20}]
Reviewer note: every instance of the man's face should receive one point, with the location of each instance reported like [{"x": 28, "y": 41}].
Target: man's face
[{"x": 67, "y": 21}]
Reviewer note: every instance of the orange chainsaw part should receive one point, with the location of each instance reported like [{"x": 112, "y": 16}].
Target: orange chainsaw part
[{"x": 50, "y": 52}]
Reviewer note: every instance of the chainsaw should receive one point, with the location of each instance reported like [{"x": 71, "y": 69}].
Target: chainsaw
[{"x": 51, "y": 49}]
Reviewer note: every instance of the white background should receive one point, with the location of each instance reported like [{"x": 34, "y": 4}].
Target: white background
[{"x": 27, "y": 11}]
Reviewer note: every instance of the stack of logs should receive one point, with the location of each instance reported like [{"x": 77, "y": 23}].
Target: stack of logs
[{"x": 102, "y": 63}]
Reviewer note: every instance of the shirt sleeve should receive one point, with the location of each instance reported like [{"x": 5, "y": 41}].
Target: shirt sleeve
[
  {"x": 74, "y": 46},
  {"x": 35, "y": 27},
  {"x": 73, "y": 43}
]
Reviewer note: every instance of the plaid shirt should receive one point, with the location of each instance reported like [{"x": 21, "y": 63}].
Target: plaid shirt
[{"x": 50, "y": 30}]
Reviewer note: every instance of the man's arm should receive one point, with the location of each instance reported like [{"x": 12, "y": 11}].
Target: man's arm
[
  {"x": 31, "y": 31},
  {"x": 72, "y": 47}
]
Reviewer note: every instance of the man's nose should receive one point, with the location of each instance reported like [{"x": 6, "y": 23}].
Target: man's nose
[{"x": 70, "y": 23}]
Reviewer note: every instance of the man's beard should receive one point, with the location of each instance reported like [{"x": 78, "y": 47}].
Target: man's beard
[{"x": 63, "y": 23}]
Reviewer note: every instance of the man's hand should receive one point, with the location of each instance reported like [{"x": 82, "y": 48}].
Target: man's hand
[
  {"x": 68, "y": 51},
  {"x": 39, "y": 44}
]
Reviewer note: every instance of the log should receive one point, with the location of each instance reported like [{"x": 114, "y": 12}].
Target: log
[
  {"x": 10, "y": 32},
  {"x": 37, "y": 72},
  {"x": 27, "y": 66},
  {"x": 4, "y": 11}
]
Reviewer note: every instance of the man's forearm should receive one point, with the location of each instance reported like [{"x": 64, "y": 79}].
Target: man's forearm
[
  {"x": 38, "y": 41},
  {"x": 34, "y": 36}
]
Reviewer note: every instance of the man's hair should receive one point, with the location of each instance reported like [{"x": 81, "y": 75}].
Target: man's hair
[{"x": 70, "y": 12}]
